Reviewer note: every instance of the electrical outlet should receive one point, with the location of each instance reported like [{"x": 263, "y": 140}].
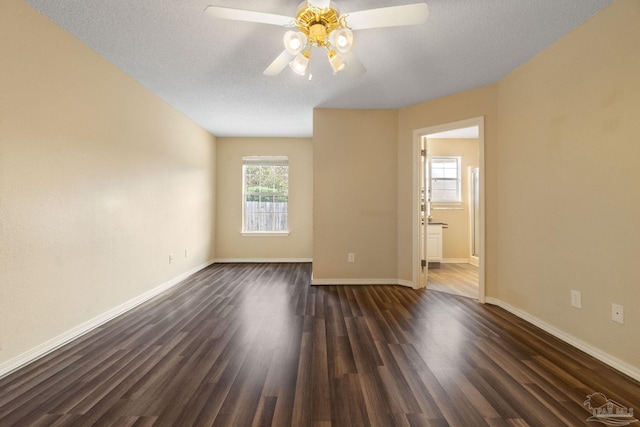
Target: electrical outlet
[
  {"x": 576, "y": 299},
  {"x": 351, "y": 257},
  {"x": 617, "y": 313},
  {"x": 170, "y": 258}
]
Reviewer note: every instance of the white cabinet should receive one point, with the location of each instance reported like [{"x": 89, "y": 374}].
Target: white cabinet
[{"x": 434, "y": 243}]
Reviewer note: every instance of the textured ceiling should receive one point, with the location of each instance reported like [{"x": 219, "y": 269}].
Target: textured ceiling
[{"x": 211, "y": 70}]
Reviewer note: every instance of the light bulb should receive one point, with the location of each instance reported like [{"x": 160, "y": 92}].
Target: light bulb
[
  {"x": 342, "y": 39},
  {"x": 294, "y": 42}
]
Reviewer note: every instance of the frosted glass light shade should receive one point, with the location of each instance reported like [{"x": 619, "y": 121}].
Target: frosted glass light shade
[
  {"x": 294, "y": 42},
  {"x": 337, "y": 64},
  {"x": 299, "y": 64},
  {"x": 342, "y": 39}
]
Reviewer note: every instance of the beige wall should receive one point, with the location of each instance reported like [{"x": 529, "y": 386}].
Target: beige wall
[
  {"x": 456, "y": 238},
  {"x": 100, "y": 181},
  {"x": 354, "y": 194},
  {"x": 569, "y": 173},
  {"x": 480, "y": 102},
  {"x": 230, "y": 244},
  {"x": 364, "y": 156}
]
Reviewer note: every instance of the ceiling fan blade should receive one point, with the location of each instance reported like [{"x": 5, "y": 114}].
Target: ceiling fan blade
[
  {"x": 393, "y": 16},
  {"x": 320, "y": 4},
  {"x": 249, "y": 16},
  {"x": 354, "y": 67},
  {"x": 278, "y": 64}
]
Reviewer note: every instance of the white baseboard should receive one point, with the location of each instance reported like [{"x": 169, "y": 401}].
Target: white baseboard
[
  {"x": 262, "y": 260},
  {"x": 406, "y": 283},
  {"x": 455, "y": 260},
  {"x": 344, "y": 282},
  {"x": 47, "y": 347},
  {"x": 602, "y": 356}
]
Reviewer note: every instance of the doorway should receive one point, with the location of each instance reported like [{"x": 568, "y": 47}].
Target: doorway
[{"x": 449, "y": 205}]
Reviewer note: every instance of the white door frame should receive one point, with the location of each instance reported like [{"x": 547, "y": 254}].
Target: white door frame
[
  {"x": 474, "y": 260},
  {"x": 417, "y": 135}
]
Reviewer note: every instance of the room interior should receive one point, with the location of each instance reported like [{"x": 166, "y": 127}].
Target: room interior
[{"x": 111, "y": 194}]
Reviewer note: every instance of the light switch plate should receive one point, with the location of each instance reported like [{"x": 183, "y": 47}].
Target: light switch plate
[{"x": 576, "y": 299}]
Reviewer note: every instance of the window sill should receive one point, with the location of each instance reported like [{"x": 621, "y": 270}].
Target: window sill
[
  {"x": 446, "y": 205},
  {"x": 265, "y": 233}
]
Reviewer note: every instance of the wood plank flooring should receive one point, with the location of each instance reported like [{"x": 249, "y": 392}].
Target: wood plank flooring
[
  {"x": 457, "y": 279},
  {"x": 256, "y": 345}
]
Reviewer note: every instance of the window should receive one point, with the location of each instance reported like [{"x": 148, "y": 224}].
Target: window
[
  {"x": 265, "y": 195},
  {"x": 445, "y": 179}
]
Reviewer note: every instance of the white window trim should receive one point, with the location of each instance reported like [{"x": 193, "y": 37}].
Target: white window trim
[
  {"x": 452, "y": 203},
  {"x": 265, "y": 233},
  {"x": 262, "y": 160}
]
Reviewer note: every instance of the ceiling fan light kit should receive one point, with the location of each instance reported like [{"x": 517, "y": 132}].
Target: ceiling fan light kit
[
  {"x": 320, "y": 28},
  {"x": 320, "y": 24}
]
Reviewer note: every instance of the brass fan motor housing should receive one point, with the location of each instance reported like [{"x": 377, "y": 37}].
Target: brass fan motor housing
[{"x": 316, "y": 23}]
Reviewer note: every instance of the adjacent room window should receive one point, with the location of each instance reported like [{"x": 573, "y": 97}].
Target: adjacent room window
[
  {"x": 445, "y": 179},
  {"x": 265, "y": 195}
]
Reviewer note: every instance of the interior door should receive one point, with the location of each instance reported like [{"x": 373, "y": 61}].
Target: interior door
[{"x": 425, "y": 208}]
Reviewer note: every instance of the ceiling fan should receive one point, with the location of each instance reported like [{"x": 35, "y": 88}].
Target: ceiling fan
[{"x": 320, "y": 24}]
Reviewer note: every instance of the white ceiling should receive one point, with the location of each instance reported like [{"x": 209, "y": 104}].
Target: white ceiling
[{"x": 211, "y": 70}]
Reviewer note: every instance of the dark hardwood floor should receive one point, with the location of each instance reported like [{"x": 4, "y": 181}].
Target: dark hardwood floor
[
  {"x": 457, "y": 279},
  {"x": 256, "y": 345}
]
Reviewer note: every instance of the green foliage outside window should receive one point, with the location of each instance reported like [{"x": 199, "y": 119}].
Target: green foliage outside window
[
  {"x": 267, "y": 183},
  {"x": 266, "y": 197}
]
